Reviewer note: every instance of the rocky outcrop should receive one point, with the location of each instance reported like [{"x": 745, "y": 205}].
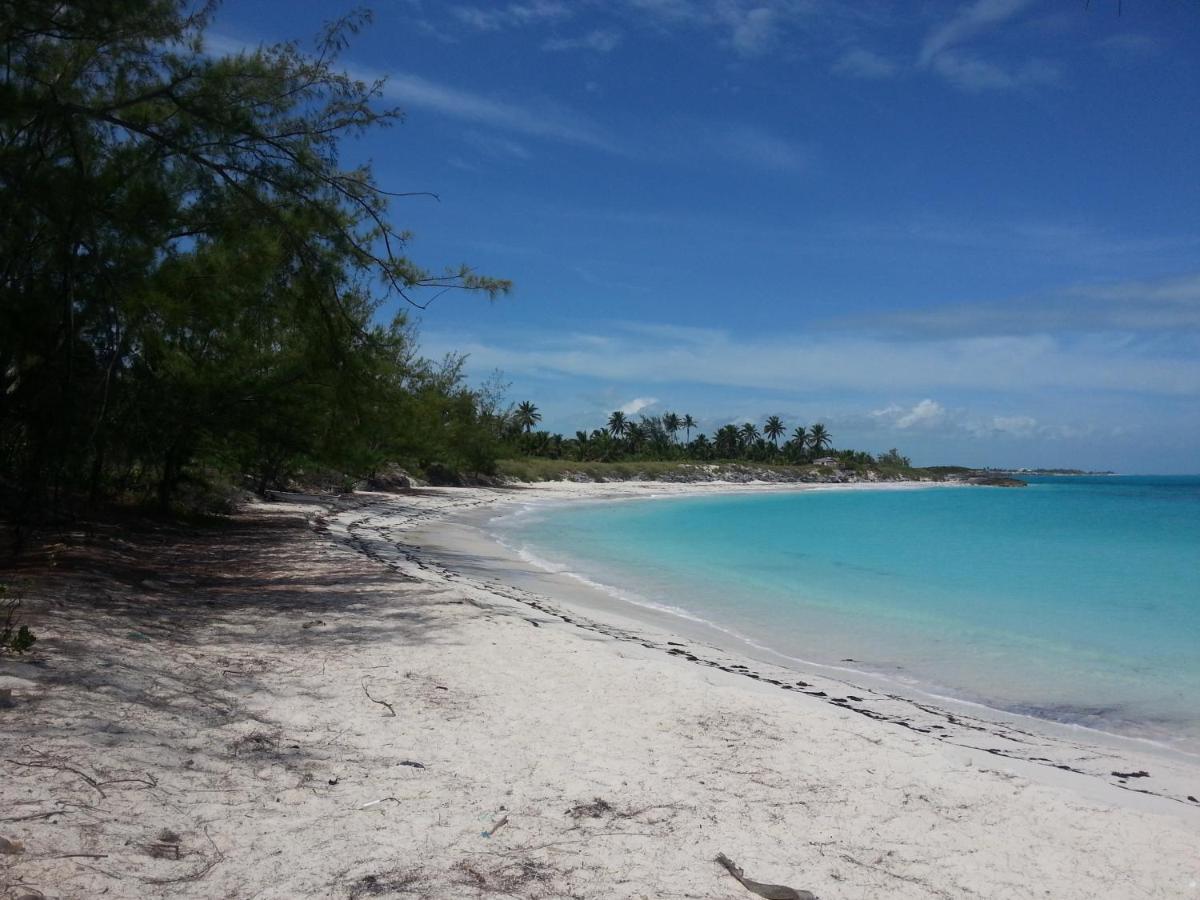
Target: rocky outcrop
[{"x": 996, "y": 481}]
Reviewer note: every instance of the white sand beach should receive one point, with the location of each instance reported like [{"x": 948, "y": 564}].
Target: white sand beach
[{"x": 368, "y": 700}]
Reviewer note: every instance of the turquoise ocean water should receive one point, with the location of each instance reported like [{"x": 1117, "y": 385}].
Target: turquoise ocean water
[{"x": 1076, "y": 599}]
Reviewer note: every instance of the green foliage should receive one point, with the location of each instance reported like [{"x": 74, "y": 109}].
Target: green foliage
[
  {"x": 186, "y": 268},
  {"x": 656, "y": 438},
  {"x": 894, "y": 460},
  {"x": 526, "y": 416},
  {"x": 14, "y": 638},
  {"x": 649, "y": 448}
]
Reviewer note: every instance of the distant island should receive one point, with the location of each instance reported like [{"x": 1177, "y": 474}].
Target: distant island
[{"x": 1025, "y": 471}]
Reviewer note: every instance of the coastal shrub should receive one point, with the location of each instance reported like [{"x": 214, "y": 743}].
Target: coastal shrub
[
  {"x": 194, "y": 277},
  {"x": 894, "y": 460},
  {"x": 14, "y": 637}
]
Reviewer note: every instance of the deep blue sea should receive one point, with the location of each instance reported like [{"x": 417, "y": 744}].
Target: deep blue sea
[{"x": 1076, "y": 599}]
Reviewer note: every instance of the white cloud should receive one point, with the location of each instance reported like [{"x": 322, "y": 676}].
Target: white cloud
[
  {"x": 637, "y": 404},
  {"x": 860, "y": 63},
  {"x": 601, "y": 41},
  {"x": 924, "y": 414}
]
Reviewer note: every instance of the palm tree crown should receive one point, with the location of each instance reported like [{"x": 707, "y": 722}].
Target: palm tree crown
[
  {"x": 617, "y": 425},
  {"x": 773, "y": 429},
  {"x": 688, "y": 424},
  {"x": 670, "y": 422},
  {"x": 819, "y": 438},
  {"x": 527, "y": 416}
]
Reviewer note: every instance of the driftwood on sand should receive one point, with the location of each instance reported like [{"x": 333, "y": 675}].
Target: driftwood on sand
[{"x": 769, "y": 891}]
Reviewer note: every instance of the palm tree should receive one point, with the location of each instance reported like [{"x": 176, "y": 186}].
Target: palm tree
[
  {"x": 527, "y": 416},
  {"x": 603, "y": 445},
  {"x": 727, "y": 443},
  {"x": 773, "y": 429},
  {"x": 819, "y": 438},
  {"x": 670, "y": 422},
  {"x": 749, "y": 432},
  {"x": 798, "y": 445},
  {"x": 635, "y": 434},
  {"x": 688, "y": 424},
  {"x": 617, "y": 424}
]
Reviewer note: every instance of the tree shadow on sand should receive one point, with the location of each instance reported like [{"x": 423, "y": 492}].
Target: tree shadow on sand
[{"x": 157, "y": 619}]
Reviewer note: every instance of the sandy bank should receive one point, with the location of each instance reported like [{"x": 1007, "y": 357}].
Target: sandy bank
[{"x": 307, "y": 704}]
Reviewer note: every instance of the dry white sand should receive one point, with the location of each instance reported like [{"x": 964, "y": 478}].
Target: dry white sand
[{"x": 310, "y": 705}]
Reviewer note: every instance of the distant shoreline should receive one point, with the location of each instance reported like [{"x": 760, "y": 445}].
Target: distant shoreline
[{"x": 447, "y": 537}]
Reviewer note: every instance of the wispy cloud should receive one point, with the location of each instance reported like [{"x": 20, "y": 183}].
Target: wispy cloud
[
  {"x": 969, "y": 22},
  {"x": 751, "y": 31},
  {"x": 497, "y": 146},
  {"x": 945, "y": 51},
  {"x": 842, "y": 362},
  {"x": 1014, "y": 425},
  {"x": 1128, "y": 47},
  {"x": 758, "y": 147},
  {"x": 973, "y": 73},
  {"x": 536, "y": 119},
  {"x": 860, "y": 63},
  {"x": 749, "y": 28},
  {"x": 494, "y": 18},
  {"x": 601, "y": 40},
  {"x": 1166, "y": 305},
  {"x": 1081, "y": 242},
  {"x": 544, "y": 121}
]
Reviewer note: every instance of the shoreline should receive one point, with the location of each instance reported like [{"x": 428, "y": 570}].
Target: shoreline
[
  {"x": 597, "y": 597},
  {"x": 458, "y": 541},
  {"x": 310, "y": 699}
]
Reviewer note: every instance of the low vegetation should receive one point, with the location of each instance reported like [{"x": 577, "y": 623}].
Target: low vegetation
[
  {"x": 652, "y": 447},
  {"x": 193, "y": 289},
  {"x": 15, "y": 637}
]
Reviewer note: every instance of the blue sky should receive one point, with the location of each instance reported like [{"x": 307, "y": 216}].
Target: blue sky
[{"x": 968, "y": 230}]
